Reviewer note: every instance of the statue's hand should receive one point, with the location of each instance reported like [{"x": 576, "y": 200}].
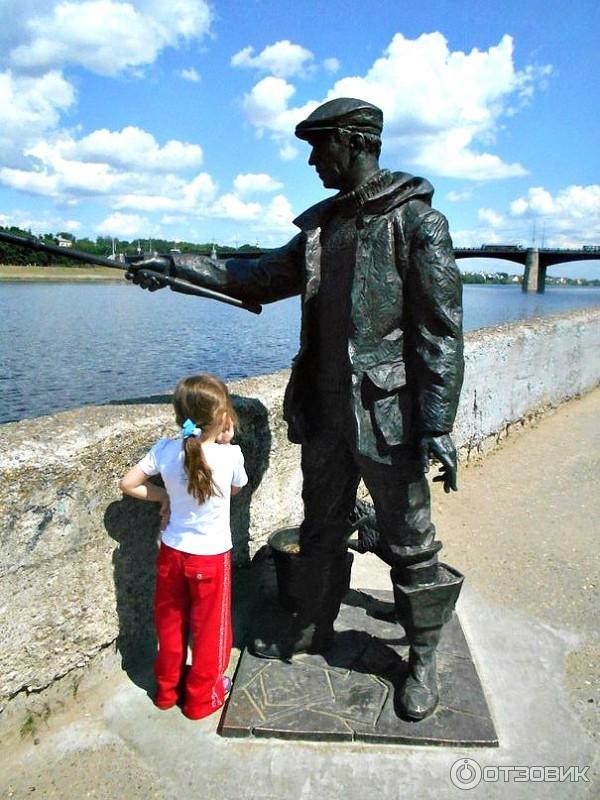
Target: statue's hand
[
  {"x": 138, "y": 272},
  {"x": 442, "y": 449}
]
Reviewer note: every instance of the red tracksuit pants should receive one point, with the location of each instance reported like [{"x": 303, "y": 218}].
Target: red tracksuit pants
[{"x": 193, "y": 596}]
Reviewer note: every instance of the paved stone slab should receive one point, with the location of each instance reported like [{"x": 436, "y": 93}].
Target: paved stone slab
[{"x": 350, "y": 692}]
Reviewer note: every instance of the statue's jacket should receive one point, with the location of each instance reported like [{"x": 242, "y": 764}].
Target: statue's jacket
[{"x": 405, "y": 345}]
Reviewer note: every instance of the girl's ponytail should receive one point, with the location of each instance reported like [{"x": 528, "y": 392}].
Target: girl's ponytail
[
  {"x": 202, "y": 403},
  {"x": 199, "y": 475}
]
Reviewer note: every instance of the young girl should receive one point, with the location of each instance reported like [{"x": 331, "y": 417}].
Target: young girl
[{"x": 193, "y": 587}]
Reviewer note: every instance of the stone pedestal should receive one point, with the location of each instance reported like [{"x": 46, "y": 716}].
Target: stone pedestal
[{"x": 350, "y": 692}]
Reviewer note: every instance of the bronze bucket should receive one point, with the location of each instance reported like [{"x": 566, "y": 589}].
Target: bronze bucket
[
  {"x": 284, "y": 544},
  {"x": 286, "y": 552}
]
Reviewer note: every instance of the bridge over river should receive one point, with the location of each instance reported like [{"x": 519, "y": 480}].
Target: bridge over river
[{"x": 535, "y": 259}]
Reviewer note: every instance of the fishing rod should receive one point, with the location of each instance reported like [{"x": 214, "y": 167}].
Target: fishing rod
[{"x": 101, "y": 261}]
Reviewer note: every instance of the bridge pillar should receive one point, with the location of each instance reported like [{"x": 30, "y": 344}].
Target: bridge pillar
[{"x": 534, "y": 277}]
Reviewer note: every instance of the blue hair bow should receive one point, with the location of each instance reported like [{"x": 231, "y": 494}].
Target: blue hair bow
[{"x": 189, "y": 429}]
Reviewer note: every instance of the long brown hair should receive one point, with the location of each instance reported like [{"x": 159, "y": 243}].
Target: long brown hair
[{"x": 203, "y": 399}]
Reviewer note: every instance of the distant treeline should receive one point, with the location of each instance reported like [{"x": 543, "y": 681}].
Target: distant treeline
[
  {"x": 102, "y": 246},
  {"x": 505, "y": 278},
  {"x": 478, "y": 277}
]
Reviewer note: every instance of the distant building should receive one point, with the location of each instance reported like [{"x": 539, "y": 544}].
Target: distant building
[{"x": 62, "y": 241}]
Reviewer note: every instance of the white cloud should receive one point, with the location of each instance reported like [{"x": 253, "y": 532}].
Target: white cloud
[
  {"x": 123, "y": 225},
  {"x": 282, "y": 59},
  {"x": 38, "y": 38},
  {"x": 189, "y": 74},
  {"x": 69, "y": 169},
  {"x": 449, "y": 153},
  {"x": 172, "y": 219},
  {"x": 458, "y": 197},
  {"x": 15, "y": 18},
  {"x": 568, "y": 218},
  {"x": 200, "y": 189},
  {"x": 30, "y": 107},
  {"x": 176, "y": 195},
  {"x": 31, "y": 182},
  {"x": 266, "y": 107},
  {"x": 287, "y": 151},
  {"x": 148, "y": 202},
  {"x": 198, "y": 199},
  {"x": 107, "y": 36},
  {"x": 575, "y": 202},
  {"x": 128, "y": 171},
  {"x": 249, "y": 183},
  {"x": 131, "y": 148},
  {"x": 491, "y": 217},
  {"x": 229, "y": 206},
  {"x": 441, "y": 107},
  {"x": 38, "y": 225},
  {"x": 117, "y": 165},
  {"x": 538, "y": 201},
  {"x": 331, "y": 65},
  {"x": 277, "y": 217},
  {"x": 519, "y": 206}
]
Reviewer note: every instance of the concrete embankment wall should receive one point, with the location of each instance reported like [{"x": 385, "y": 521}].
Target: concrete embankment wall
[{"x": 76, "y": 558}]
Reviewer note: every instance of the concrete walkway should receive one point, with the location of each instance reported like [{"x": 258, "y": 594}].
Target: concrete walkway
[{"x": 523, "y": 528}]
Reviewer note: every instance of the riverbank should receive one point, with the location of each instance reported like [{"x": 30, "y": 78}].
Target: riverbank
[
  {"x": 91, "y": 273},
  {"x": 62, "y": 274}
]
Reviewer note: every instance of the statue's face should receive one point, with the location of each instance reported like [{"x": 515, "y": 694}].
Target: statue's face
[{"x": 330, "y": 156}]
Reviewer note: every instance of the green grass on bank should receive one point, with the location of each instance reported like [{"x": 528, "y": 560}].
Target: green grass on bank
[{"x": 27, "y": 273}]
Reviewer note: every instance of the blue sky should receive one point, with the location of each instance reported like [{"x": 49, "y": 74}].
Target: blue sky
[{"x": 146, "y": 118}]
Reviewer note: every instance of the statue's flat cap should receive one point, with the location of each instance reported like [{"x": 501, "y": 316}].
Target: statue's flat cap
[{"x": 343, "y": 112}]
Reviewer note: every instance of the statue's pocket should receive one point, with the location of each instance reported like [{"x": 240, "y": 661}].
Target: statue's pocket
[
  {"x": 392, "y": 417},
  {"x": 388, "y": 376},
  {"x": 387, "y": 397}
]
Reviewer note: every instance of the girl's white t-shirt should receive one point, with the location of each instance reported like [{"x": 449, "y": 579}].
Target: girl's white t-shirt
[{"x": 198, "y": 528}]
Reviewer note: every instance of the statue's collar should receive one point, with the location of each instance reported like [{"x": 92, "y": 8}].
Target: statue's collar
[
  {"x": 382, "y": 192},
  {"x": 355, "y": 199}
]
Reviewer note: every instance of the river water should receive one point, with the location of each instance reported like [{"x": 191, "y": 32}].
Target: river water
[{"x": 65, "y": 345}]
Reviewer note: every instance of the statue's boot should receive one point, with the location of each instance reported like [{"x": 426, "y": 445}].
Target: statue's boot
[
  {"x": 319, "y": 590},
  {"x": 419, "y": 694},
  {"x": 423, "y": 609}
]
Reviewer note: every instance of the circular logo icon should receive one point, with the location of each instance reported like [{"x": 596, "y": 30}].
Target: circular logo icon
[{"x": 465, "y": 773}]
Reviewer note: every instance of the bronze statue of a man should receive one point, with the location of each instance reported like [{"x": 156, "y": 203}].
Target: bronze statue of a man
[{"x": 375, "y": 386}]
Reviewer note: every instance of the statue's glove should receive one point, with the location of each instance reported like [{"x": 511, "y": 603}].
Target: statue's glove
[
  {"x": 138, "y": 272},
  {"x": 441, "y": 448}
]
